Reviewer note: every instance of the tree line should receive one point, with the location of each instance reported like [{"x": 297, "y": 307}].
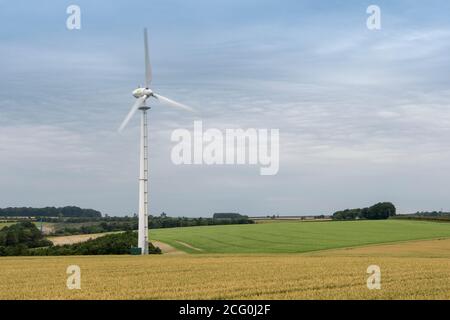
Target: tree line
[
  {"x": 164, "y": 221},
  {"x": 84, "y": 225},
  {"x": 69, "y": 211},
  {"x": 439, "y": 216}
]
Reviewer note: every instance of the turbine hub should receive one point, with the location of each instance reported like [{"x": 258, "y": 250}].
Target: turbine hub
[{"x": 140, "y": 92}]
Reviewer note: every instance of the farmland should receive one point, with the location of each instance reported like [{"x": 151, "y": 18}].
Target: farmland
[
  {"x": 331, "y": 275},
  {"x": 323, "y": 260},
  {"x": 296, "y": 237}
]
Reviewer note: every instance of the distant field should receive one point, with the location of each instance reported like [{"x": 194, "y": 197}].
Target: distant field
[
  {"x": 289, "y": 220},
  {"x": 338, "y": 274},
  {"x": 439, "y": 248},
  {"x": 63, "y": 240},
  {"x": 289, "y": 237},
  {"x": 5, "y": 224}
]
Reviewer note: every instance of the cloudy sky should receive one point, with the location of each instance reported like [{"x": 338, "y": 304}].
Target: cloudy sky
[{"x": 364, "y": 116}]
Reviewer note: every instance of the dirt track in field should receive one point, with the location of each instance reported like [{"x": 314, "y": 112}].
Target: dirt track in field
[
  {"x": 167, "y": 249},
  {"x": 187, "y": 245}
]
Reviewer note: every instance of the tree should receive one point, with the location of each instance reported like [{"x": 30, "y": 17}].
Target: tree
[
  {"x": 382, "y": 210},
  {"x": 379, "y": 211},
  {"x": 17, "y": 238}
]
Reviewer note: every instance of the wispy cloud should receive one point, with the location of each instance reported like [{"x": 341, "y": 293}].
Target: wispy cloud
[{"x": 363, "y": 115}]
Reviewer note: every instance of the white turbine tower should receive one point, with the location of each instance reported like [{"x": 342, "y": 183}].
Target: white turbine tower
[{"x": 142, "y": 94}]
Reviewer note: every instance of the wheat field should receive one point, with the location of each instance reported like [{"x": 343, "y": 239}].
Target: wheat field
[{"x": 331, "y": 274}]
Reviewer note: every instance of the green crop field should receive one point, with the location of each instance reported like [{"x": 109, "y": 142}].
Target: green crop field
[
  {"x": 296, "y": 237},
  {"x": 5, "y": 224}
]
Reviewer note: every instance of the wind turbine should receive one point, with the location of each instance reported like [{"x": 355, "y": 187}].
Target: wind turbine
[{"x": 142, "y": 94}]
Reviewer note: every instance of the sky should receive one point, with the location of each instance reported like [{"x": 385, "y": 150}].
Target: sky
[{"x": 364, "y": 115}]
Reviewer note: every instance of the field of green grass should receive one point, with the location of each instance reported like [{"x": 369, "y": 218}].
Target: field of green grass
[{"x": 296, "y": 237}]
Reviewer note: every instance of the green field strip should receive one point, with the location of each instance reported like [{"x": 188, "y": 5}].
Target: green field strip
[{"x": 299, "y": 237}]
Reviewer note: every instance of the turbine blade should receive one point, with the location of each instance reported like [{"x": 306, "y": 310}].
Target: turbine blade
[
  {"x": 148, "y": 67},
  {"x": 133, "y": 110},
  {"x": 172, "y": 103}
]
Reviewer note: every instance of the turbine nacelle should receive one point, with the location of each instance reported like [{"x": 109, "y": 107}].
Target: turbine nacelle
[{"x": 140, "y": 92}]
